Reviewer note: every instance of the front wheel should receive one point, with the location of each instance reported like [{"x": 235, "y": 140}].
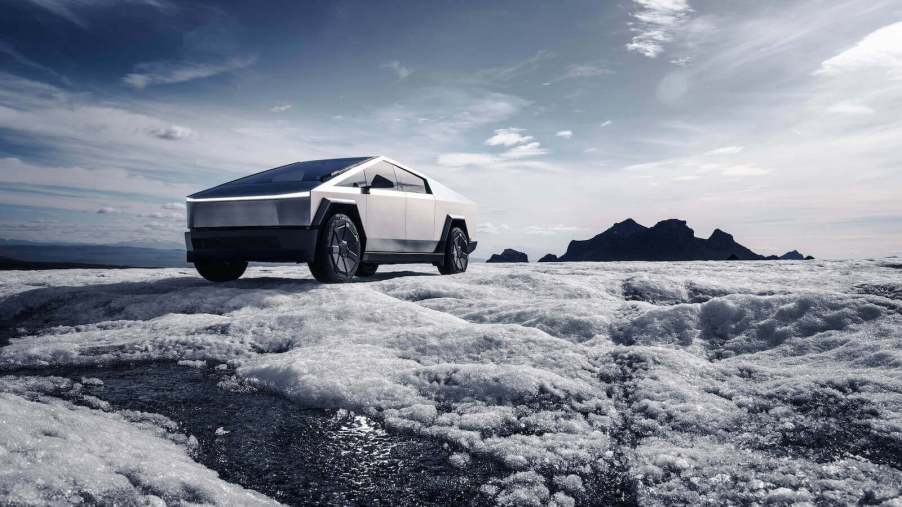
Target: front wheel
[
  {"x": 457, "y": 252},
  {"x": 220, "y": 271},
  {"x": 338, "y": 251}
]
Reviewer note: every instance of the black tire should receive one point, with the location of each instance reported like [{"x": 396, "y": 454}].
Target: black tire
[
  {"x": 220, "y": 271},
  {"x": 338, "y": 250},
  {"x": 457, "y": 255},
  {"x": 367, "y": 269}
]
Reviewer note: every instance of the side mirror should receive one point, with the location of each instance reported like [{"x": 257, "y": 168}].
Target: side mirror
[{"x": 365, "y": 189}]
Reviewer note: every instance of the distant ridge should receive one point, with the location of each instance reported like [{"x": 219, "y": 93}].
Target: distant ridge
[
  {"x": 100, "y": 255},
  {"x": 509, "y": 255},
  {"x": 7, "y": 264},
  {"x": 667, "y": 240}
]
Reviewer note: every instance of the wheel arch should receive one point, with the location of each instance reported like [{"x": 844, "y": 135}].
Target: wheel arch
[
  {"x": 328, "y": 207},
  {"x": 451, "y": 221}
]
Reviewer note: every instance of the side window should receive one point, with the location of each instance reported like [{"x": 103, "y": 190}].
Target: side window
[
  {"x": 355, "y": 180},
  {"x": 381, "y": 175},
  {"x": 410, "y": 182}
]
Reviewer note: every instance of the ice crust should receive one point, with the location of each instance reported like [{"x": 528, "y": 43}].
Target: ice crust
[
  {"x": 54, "y": 452},
  {"x": 661, "y": 383}
]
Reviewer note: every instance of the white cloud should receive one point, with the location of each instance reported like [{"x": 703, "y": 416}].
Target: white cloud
[
  {"x": 744, "y": 170},
  {"x": 850, "y": 108},
  {"x": 656, "y": 22},
  {"x": 281, "y": 109},
  {"x": 490, "y": 228},
  {"x": 532, "y": 149},
  {"x": 590, "y": 150},
  {"x": 606, "y": 123},
  {"x": 548, "y": 230},
  {"x": 14, "y": 170},
  {"x": 461, "y": 159},
  {"x": 465, "y": 159},
  {"x": 172, "y": 133},
  {"x": 726, "y": 150},
  {"x": 586, "y": 70},
  {"x": 566, "y": 134},
  {"x": 520, "y": 146},
  {"x": 161, "y": 73},
  {"x": 879, "y": 50},
  {"x": 508, "y": 137},
  {"x": 395, "y": 66}
]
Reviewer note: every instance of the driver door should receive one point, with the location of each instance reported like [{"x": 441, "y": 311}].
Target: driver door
[{"x": 385, "y": 210}]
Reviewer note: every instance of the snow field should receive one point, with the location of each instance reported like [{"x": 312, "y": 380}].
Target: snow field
[{"x": 660, "y": 383}]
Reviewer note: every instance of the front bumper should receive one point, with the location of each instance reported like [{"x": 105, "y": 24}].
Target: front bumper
[{"x": 265, "y": 244}]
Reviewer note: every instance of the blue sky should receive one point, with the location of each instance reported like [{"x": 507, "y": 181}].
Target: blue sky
[{"x": 778, "y": 121}]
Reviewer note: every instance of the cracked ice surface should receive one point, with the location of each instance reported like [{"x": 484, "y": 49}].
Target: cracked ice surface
[
  {"x": 650, "y": 382},
  {"x": 54, "y": 452}
]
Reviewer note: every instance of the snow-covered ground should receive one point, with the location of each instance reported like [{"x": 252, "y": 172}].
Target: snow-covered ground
[{"x": 657, "y": 383}]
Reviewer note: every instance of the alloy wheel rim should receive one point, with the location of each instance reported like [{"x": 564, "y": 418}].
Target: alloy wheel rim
[
  {"x": 344, "y": 249},
  {"x": 459, "y": 252}
]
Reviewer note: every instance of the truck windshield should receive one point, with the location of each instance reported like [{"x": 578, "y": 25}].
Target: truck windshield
[{"x": 296, "y": 177}]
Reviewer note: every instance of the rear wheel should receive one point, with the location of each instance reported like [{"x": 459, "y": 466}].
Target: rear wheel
[
  {"x": 367, "y": 269},
  {"x": 338, "y": 251},
  {"x": 457, "y": 252},
  {"x": 220, "y": 271}
]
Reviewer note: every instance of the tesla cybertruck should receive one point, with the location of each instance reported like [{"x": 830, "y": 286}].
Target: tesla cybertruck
[{"x": 343, "y": 216}]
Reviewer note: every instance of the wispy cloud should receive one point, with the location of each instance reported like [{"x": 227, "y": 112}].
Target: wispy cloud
[
  {"x": 514, "y": 71},
  {"x": 533, "y": 149},
  {"x": 443, "y": 113},
  {"x": 71, "y": 10},
  {"x": 850, "y": 108},
  {"x": 280, "y": 109},
  {"x": 172, "y": 133},
  {"x": 744, "y": 170},
  {"x": 491, "y": 228},
  {"x": 655, "y": 23},
  {"x": 548, "y": 230},
  {"x": 508, "y": 137},
  {"x": 162, "y": 73},
  {"x": 586, "y": 70},
  {"x": 518, "y": 144},
  {"x": 606, "y": 123},
  {"x": 502, "y": 160},
  {"x": 726, "y": 150},
  {"x": 111, "y": 181},
  {"x": 566, "y": 134},
  {"x": 400, "y": 70},
  {"x": 15, "y": 55},
  {"x": 466, "y": 159}
]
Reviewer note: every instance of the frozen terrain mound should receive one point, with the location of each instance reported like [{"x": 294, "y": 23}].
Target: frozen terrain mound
[
  {"x": 668, "y": 240},
  {"x": 651, "y": 383}
]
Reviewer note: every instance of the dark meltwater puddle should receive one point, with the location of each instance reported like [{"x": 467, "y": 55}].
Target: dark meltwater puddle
[{"x": 297, "y": 456}]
